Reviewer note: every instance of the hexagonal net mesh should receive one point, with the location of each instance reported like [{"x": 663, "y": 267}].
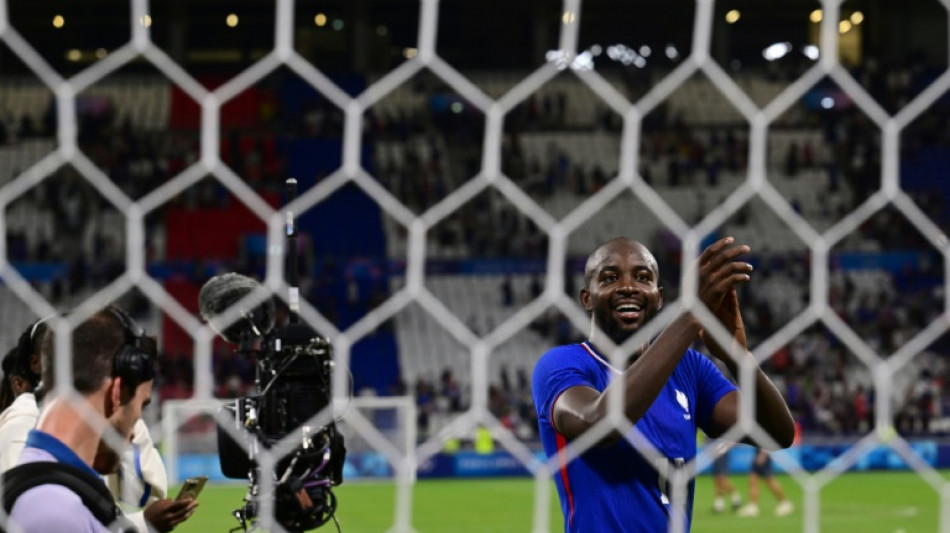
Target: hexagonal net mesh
[{"x": 431, "y": 310}]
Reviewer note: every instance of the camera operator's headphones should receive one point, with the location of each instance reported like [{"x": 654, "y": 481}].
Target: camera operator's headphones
[{"x": 132, "y": 362}]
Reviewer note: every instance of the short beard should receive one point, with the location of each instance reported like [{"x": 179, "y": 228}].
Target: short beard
[{"x": 619, "y": 335}]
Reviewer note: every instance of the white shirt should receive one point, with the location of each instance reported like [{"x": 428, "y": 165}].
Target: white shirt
[
  {"x": 15, "y": 422},
  {"x": 141, "y": 478}
]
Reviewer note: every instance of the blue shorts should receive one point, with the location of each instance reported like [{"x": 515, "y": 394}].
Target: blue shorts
[
  {"x": 763, "y": 470},
  {"x": 720, "y": 465}
]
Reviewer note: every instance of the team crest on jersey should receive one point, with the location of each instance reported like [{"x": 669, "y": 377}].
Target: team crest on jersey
[{"x": 684, "y": 402}]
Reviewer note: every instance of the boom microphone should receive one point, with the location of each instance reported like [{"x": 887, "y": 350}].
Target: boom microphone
[{"x": 221, "y": 292}]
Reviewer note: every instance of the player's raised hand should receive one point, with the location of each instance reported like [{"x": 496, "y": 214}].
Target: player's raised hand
[
  {"x": 720, "y": 271},
  {"x": 730, "y": 317}
]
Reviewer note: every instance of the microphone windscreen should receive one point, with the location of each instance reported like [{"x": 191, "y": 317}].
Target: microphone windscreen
[{"x": 221, "y": 292}]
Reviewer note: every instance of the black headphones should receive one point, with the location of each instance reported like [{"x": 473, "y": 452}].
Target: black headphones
[{"x": 132, "y": 362}]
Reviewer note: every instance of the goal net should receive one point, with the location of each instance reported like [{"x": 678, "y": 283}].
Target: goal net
[{"x": 488, "y": 183}]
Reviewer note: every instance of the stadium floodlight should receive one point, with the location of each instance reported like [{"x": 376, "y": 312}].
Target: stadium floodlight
[{"x": 776, "y": 51}]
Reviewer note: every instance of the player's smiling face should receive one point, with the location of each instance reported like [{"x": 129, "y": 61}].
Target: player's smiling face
[{"x": 623, "y": 293}]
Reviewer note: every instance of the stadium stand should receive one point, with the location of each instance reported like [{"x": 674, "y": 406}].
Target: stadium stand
[{"x": 693, "y": 154}]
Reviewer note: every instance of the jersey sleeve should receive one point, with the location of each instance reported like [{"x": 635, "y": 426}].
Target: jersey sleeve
[
  {"x": 558, "y": 370},
  {"x": 711, "y": 386}
]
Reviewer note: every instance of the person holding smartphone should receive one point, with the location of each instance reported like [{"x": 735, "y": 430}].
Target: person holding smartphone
[{"x": 139, "y": 482}]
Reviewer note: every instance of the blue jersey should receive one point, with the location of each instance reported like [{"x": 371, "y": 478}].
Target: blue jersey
[{"x": 614, "y": 488}]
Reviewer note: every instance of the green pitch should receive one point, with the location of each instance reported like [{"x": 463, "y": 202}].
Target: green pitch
[{"x": 892, "y": 502}]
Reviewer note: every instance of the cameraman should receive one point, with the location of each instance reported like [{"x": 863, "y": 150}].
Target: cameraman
[{"x": 142, "y": 480}]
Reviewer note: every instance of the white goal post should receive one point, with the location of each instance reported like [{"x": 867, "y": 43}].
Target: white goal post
[{"x": 188, "y": 437}]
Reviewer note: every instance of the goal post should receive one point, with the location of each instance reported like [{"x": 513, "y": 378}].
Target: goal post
[
  {"x": 189, "y": 433},
  {"x": 189, "y": 437}
]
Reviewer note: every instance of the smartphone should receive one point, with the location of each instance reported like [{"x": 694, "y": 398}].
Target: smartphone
[{"x": 191, "y": 488}]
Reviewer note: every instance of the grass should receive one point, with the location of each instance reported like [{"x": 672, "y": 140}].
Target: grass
[{"x": 867, "y": 502}]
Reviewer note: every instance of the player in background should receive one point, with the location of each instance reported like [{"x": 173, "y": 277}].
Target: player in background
[
  {"x": 722, "y": 485},
  {"x": 762, "y": 470}
]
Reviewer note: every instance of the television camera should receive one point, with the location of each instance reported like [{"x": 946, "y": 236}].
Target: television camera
[{"x": 294, "y": 368}]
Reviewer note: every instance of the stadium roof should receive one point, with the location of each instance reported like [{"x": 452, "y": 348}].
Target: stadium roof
[{"x": 373, "y": 35}]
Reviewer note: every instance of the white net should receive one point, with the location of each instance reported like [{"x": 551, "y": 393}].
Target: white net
[{"x": 635, "y": 192}]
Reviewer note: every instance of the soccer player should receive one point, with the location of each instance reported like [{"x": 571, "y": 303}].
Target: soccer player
[
  {"x": 670, "y": 390},
  {"x": 762, "y": 469},
  {"x": 722, "y": 485}
]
